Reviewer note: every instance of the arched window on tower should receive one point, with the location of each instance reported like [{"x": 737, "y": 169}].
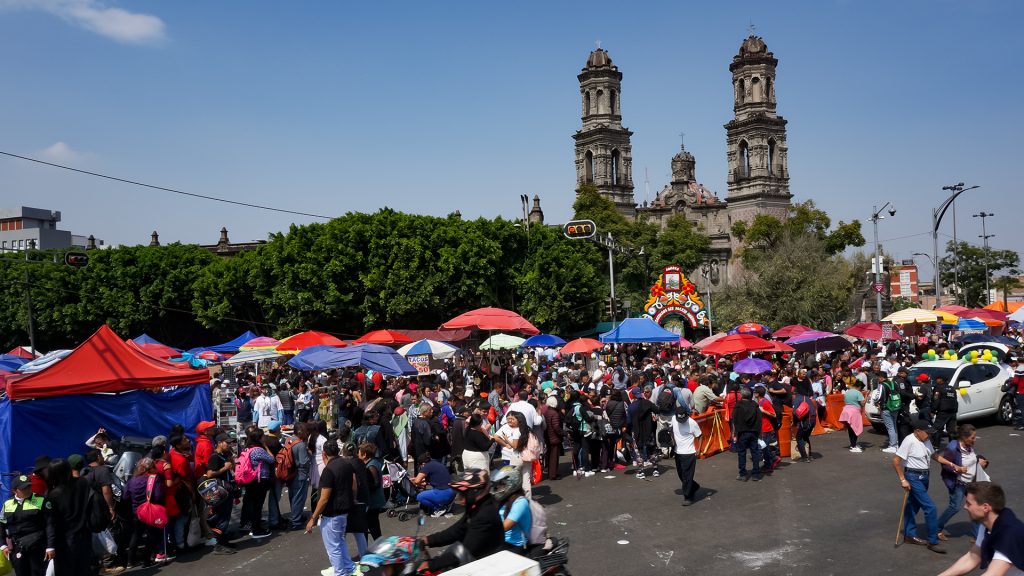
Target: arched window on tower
[
  {"x": 588, "y": 167},
  {"x": 586, "y": 103},
  {"x": 771, "y": 156},
  {"x": 768, "y": 89},
  {"x": 742, "y": 92},
  {"x": 755, "y": 90},
  {"x": 600, "y": 102},
  {"x": 615, "y": 166},
  {"x": 744, "y": 167},
  {"x": 611, "y": 101}
]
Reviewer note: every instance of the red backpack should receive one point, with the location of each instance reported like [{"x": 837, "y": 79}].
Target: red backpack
[
  {"x": 284, "y": 467},
  {"x": 803, "y": 410}
]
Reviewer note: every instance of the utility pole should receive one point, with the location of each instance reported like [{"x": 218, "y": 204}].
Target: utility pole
[
  {"x": 28, "y": 300},
  {"x": 984, "y": 238},
  {"x": 876, "y": 215},
  {"x": 937, "y": 214}
]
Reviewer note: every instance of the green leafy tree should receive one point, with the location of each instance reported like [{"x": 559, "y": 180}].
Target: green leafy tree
[
  {"x": 765, "y": 232},
  {"x": 963, "y": 270},
  {"x": 1006, "y": 284},
  {"x": 902, "y": 304}
]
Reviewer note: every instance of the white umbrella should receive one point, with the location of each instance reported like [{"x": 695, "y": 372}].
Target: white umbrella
[
  {"x": 1018, "y": 316},
  {"x": 252, "y": 356},
  {"x": 439, "y": 350},
  {"x": 502, "y": 342}
]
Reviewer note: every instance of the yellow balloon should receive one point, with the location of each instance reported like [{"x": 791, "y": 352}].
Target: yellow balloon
[
  {"x": 953, "y": 357},
  {"x": 974, "y": 359},
  {"x": 931, "y": 351},
  {"x": 974, "y": 354}
]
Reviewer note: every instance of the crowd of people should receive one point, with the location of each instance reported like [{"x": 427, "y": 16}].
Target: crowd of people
[{"x": 335, "y": 440}]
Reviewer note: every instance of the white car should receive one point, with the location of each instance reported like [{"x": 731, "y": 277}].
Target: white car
[{"x": 981, "y": 385}]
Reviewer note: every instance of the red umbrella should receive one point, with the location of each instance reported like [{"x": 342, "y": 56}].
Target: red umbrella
[
  {"x": 983, "y": 314},
  {"x": 736, "y": 344},
  {"x": 751, "y": 328},
  {"x": 791, "y": 330},
  {"x": 684, "y": 343},
  {"x": 299, "y": 342},
  {"x": 865, "y": 330},
  {"x": 492, "y": 319},
  {"x": 385, "y": 337},
  {"x": 581, "y": 346},
  {"x": 952, "y": 308},
  {"x": 777, "y": 346}
]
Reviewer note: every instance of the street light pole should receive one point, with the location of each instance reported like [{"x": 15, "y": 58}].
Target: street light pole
[
  {"x": 876, "y": 215},
  {"x": 28, "y": 300},
  {"x": 984, "y": 238},
  {"x": 707, "y": 270},
  {"x": 934, "y": 271},
  {"x": 937, "y": 214}
]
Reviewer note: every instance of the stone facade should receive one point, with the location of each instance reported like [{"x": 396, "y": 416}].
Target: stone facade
[{"x": 758, "y": 177}]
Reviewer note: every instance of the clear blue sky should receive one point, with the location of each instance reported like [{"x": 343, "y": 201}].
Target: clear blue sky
[{"x": 429, "y": 107}]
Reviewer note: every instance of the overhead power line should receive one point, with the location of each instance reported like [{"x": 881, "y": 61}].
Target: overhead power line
[{"x": 164, "y": 189}]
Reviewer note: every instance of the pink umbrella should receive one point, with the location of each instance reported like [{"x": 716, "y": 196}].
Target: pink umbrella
[
  {"x": 790, "y": 331},
  {"x": 684, "y": 343},
  {"x": 581, "y": 346},
  {"x": 497, "y": 319}
]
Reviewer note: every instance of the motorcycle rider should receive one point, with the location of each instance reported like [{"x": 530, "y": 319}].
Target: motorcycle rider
[
  {"x": 479, "y": 530},
  {"x": 507, "y": 488}
]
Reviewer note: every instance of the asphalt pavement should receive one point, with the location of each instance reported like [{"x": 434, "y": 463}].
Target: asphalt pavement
[{"x": 836, "y": 515}]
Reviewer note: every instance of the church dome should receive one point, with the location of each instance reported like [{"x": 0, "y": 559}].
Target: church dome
[
  {"x": 753, "y": 45},
  {"x": 599, "y": 58}
]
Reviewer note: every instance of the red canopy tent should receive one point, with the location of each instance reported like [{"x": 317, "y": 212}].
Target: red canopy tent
[
  {"x": 156, "y": 350},
  {"x": 103, "y": 363},
  {"x": 23, "y": 352}
]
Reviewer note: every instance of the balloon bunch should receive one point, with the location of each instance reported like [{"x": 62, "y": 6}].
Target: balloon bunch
[
  {"x": 985, "y": 356},
  {"x": 949, "y": 355},
  {"x": 931, "y": 355}
]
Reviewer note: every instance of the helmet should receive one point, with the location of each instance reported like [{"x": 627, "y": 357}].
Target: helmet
[
  {"x": 472, "y": 483},
  {"x": 506, "y": 481}
]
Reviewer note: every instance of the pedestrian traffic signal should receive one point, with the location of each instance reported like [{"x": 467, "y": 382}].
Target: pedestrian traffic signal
[
  {"x": 76, "y": 259},
  {"x": 579, "y": 229},
  {"x": 610, "y": 308}
]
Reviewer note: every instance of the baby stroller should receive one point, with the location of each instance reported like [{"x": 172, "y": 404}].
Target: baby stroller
[{"x": 400, "y": 491}]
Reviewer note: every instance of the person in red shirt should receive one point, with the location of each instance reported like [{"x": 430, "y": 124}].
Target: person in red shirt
[
  {"x": 768, "y": 416},
  {"x": 181, "y": 486},
  {"x": 1018, "y": 380},
  {"x": 38, "y": 477},
  {"x": 205, "y": 431}
]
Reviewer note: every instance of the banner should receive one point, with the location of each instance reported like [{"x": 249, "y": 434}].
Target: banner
[{"x": 420, "y": 362}]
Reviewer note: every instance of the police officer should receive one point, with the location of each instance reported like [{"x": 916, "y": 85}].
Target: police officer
[
  {"x": 923, "y": 397},
  {"x": 945, "y": 404},
  {"x": 28, "y": 522},
  {"x": 906, "y": 391}
]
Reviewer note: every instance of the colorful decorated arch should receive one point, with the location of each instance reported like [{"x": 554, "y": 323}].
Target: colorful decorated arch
[{"x": 674, "y": 302}]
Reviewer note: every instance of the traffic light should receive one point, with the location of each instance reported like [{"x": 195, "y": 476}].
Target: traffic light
[
  {"x": 620, "y": 310},
  {"x": 76, "y": 259},
  {"x": 610, "y": 308}
]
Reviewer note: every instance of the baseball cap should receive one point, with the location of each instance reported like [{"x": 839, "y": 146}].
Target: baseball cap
[
  {"x": 273, "y": 426},
  {"x": 77, "y": 461},
  {"x": 922, "y": 377},
  {"x": 222, "y": 438},
  {"x": 21, "y": 482},
  {"x": 922, "y": 424},
  {"x": 205, "y": 425}
]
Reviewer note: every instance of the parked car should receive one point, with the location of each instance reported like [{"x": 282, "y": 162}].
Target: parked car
[{"x": 982, "y": 383}]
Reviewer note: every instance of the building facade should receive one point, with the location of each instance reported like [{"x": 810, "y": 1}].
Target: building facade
[
  {"x": 23, "y": 228},
  {"x": 756, "y": 149}
]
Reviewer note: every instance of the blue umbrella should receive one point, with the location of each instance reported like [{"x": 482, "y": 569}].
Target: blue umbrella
[
  {"x": 301, "y": 360},
  {"x": 546, "y": 340},
  {"x": 371, "y": 356},
  {"x": 752, "y": 366}
]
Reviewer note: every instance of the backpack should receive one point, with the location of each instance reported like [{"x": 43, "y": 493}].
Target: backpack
[
  {"x": 97, "y": 513},
  {"x": 245, "y": 473},
  {"x": 284, "y": 462},
  {"x": 578, "y": 422},
  {"x": 666, "y": 400},
  {"x": 892, "y": 398},
  {"x": 371, "y": 434},
  {"x": 538, "y": 525}
]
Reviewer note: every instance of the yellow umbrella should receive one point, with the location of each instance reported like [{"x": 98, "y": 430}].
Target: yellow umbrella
[
  {"x": 911, "y": 315},
  {"x": 946, "y": 317}
]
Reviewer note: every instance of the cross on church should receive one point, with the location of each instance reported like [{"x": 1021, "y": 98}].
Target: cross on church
[
  {"x": 751, "y": 28},
  {"x": 682, "y": 138},
  {"x": 598, "y": 42}
]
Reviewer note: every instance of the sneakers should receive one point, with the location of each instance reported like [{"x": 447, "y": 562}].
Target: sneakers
[
  {"x": 223, "y": 550},
  {"x": 211, "y": 542},
  {"x": 327, "y": 572},
  {"x": 604, "y": 470},
  {"x": 687, "y": 502},
  {"x": 655, "y": 473},
  {"x": 889, "y": 450},
  {"x": 161, "y": 558},
  {"x": 756, "y": 477},
  {"x": 640, "y": 475},
  {"x": 588, "y": 473},
  {"x": 742, "y": 477},
  {"x": 438, "y": 513},
  {"x": 856, "y": 449},
  {"x": 256, "y": 536}
]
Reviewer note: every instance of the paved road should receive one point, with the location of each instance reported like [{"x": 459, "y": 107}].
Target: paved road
[{"x": 836, "y": 515}]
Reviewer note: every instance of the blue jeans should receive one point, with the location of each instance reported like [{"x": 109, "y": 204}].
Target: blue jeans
[
  {"x": 889, "y": 419},
  {"x": 1019, "y": 410},
  {"x": 274, "y": 502},
  {"x": 769, "y": 451},
  {"x": 435, "y": 499},
  {"x": 176, "y": 529},
  {"x": 298, "y": 492},
  {"x": 748, "y": 441},
  {"x": 919, "y": 500},
  {"x": 220, "y": 519},
  {"x": 332, "y": 530},
  {"x": 956, "y": 502}
]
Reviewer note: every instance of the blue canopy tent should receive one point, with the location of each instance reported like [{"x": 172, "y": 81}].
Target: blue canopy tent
[
  {"x": 300, "y": 360},
  {"x": 633, "y": 330},
  {"x": 147, "y": 339},
  {"x": 371, "y": 356},
  {"x": 970, "y": 324},
  {"x": 230, "y": 346},
  {"x": 11, "y": 363}
]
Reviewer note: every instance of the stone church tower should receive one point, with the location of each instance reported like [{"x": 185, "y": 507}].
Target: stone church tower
[
  {"x": 758, "y": 178},
  {"x": 603, "y": 152}
]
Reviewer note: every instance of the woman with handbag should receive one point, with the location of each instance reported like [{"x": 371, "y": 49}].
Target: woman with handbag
[
  {"x": 615, "y": 417},
  {"x": 519, "y": 448},
  {"x": 146, "y": 490},
  {"x": 476, "y": 445}
]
